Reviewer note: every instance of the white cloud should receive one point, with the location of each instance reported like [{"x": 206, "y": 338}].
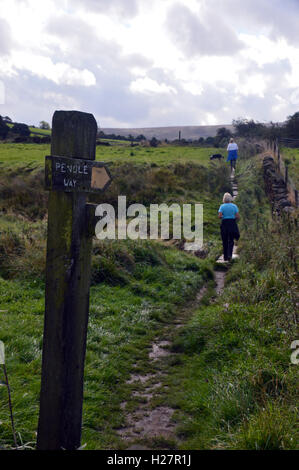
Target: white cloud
[
  {"x": 127, "y": 8},
  {"x": 60, "y": 73},
  {"x": 253, "y": 85},
  {"x": 2, "y": 93},
  {"x": 5, "y": 37},
  {"x": 61, "y": 101},
  {"x": 205, "y": 34},
  {"x": 209, "y": 119},
  {"x": 150, "y": 63},
  {"x": 147, "y": 85}
]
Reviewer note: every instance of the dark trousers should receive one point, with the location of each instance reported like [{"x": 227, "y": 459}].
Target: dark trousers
[
  {"x": 233, "y": 164},
  {"x": 229, "y": 232}
]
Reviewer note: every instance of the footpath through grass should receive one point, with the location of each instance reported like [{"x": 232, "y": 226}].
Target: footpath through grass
[
  {"x": 236, "y": 387},
  {"x": 136, "y": 286},
  {"x": 145, "y": 283}
]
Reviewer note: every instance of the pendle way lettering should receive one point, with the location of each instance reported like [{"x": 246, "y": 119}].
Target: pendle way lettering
[
  {"x": 72, "y": 169},
  {"x": 74, "y": 174},
  {"x": 71, "y": 172}
]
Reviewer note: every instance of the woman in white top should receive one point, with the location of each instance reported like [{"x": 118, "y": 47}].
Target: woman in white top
[{"x": 232, "y": 155}]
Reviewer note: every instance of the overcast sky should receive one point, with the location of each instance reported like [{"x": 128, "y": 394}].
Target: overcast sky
[{"x": 143, "y": 63}]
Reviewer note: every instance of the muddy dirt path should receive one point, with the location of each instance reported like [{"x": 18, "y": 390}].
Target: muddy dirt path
[{"x": 150, "y": 421}]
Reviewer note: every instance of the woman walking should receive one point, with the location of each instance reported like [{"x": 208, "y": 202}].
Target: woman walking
[
  {"x": 232, "y": 155},
  {"x": 229, "y": 214}
]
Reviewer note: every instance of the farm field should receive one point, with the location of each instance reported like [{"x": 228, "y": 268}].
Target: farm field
[
  {"x": 292, "y": 155},
  {"x": 32, "y": 155},
  {"x": 37, "y": 130}
]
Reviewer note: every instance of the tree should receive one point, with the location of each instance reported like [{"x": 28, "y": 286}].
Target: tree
[
  {"x": 249, "y": 128},
  {"x": 222, "y": 137},
  {"x": 4, "y": 129},
  {"x": 274, "y": 131},
  {"x": 21, "y": 129},
  {"x": 7, "y": 119},
  {"x": 44, "y": 125},
  {"x": 210, "y": 140},
  {"x": 223, "y": 133},
  {"x": 154, "y": 142},
  {"x": 292, "y": 126}
]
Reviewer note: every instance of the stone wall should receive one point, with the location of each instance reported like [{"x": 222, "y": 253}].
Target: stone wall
[{"x": 276, "y": 187}]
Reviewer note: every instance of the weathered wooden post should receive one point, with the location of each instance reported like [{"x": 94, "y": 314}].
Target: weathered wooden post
[
  {"x": 286, "y": 174},
  {"x": 70, "y": 174},
  {"x": 278, "y": 159}
]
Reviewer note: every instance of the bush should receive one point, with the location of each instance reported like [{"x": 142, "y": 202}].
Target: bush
[
  {"x": 21, "y": 129},
  {"x": 105, "y": 270},
  {"x": 4, "y": 129}
]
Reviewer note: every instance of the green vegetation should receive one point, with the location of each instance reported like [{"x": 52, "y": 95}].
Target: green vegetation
[
  {"x": 14, "y": 155},
  {"x": 231, "y": 381},
  {"x": 39, "y": 131},
  {"x": 159, "y": 156},
  {"x": 236, "y": 387},
  {"x": 142, "y": 290},
  {"x": 249, "y": 128},
  {"x": 136, "y": 286},
  {"x": 291, "y": 157}
]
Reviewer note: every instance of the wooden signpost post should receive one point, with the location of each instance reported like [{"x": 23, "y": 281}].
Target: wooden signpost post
[{"x": 70, "y": 173}]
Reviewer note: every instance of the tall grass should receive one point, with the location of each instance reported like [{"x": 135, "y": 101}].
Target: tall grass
[
  {"x": 238, "y": 388},
  {"x": 137, "y": 286}
]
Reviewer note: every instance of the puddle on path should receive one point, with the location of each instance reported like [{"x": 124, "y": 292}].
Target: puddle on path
[
  {"x": 219, "y": 279},
  {"x": 158, "y": 350},
  {"x": 145, "y": 422}
]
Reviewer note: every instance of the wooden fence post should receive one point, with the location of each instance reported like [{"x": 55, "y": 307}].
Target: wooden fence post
[
  {"x": 286, "y": 174},
  {"x": 278, "y": 159},
  {"x": 67, "y": 292}
]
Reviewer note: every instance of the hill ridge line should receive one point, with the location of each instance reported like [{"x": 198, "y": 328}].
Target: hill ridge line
[{"x": 168, "y": 132}]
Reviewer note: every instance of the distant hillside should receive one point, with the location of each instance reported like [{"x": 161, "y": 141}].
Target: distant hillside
[{"x": 170, "y": 133}]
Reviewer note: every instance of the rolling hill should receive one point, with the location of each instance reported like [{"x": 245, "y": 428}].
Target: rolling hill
[{"x": 170, "y": 133}]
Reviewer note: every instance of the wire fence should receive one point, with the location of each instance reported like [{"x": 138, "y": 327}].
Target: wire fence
[{"x": 283, "y": 168}]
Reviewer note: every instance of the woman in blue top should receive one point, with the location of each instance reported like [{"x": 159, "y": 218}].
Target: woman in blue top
[
  {"x": 232, "y": 154},
  {"x": 229, "y": 214}
]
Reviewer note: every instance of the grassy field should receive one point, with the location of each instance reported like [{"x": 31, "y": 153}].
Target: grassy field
[
  {"x": 37, "y": 130},
  {"x": 232, "y": 384},
  {"x": 292, "y": 156},
  {"x": 136, "y": 286},
  {"x": 139, "y": 294},
  {"x": 33, "y": 155}
]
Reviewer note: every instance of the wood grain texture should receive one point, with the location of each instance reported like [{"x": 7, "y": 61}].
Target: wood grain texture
[{"x": 67, "y": 293}]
